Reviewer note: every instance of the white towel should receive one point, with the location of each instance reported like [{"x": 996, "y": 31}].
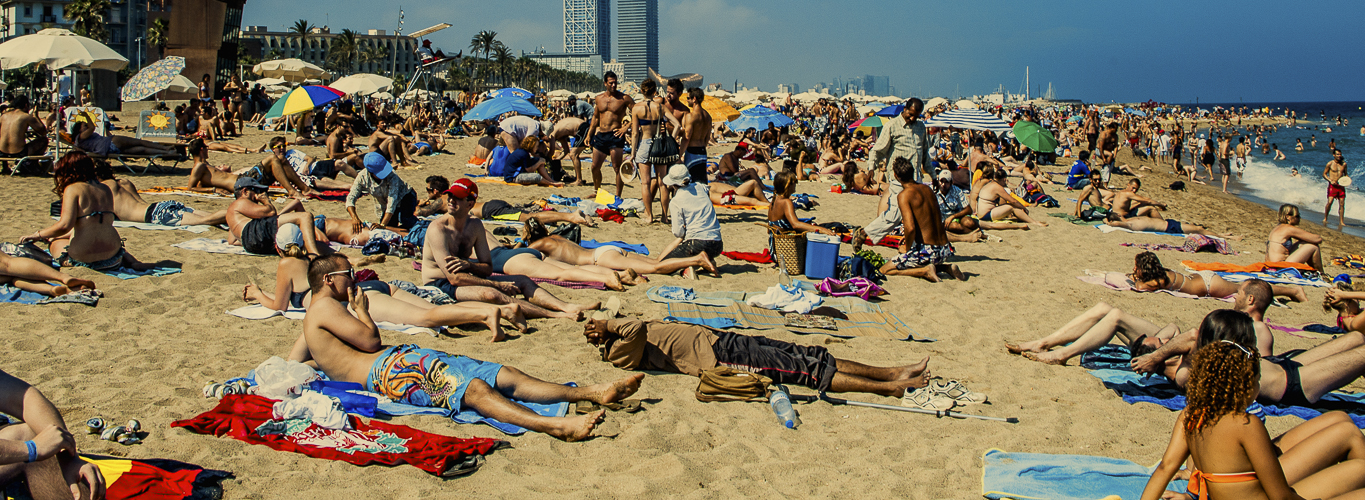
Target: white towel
[
  {"x": 259, "y": 312},
  {"x": 211, "y": 245},
  {"x": 198, "y": 229}
]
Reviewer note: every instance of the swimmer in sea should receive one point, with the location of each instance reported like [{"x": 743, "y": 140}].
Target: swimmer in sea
[
  {"x": 1279, "y": 155},
  {"x": 1294, "y": 172}
]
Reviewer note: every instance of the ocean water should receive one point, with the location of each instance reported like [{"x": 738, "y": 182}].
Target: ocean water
[{"x": 1269, "y": 182}]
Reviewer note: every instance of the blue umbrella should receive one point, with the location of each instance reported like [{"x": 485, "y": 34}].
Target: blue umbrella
[
  {"x": 1132, "y": 111},
  {"x": 494, "y": 108},
  {"x": 892, "y": 110},
  {"x": 758, "y": 117},
  {"x": 511, "y": 92}
]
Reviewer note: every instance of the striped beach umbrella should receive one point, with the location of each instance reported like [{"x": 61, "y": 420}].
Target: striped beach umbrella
[
  {"x": 152, "y": 79},
  {"x": 868, "y": 125},
  {"x": 303, "y": 99},
  {"x": 758, "y": 117},
  {"x": 969, "y": 119}
]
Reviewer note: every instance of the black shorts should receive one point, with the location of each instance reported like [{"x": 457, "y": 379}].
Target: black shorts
[
  {"x": 323, "y": 168},
  {"x": 582, "y": 133},
  {"x": 688, "y": 248},
  {"x": 445, "y": 286},
  {"x": 1293, "y": 385},
  {"x": 258, "y": 236},
  {"x": 494, "y": 208},
  {"x": 608, "y": 141},
  {"x": 407, "y": 208},
  {"x": 1225, "y": 166},
  {"x": 1090, "y": 140},
  {"x": 784, "y": 362}
]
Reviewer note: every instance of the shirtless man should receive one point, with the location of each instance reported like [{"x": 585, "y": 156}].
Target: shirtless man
[
  {"x": 609, "y": 256},
  {"x": 15, "y": 124},
  {"x": 387, "y": 141},
  {"x": 695, "y": 134},
  {"x": 607, "y": 134},
  {"x": 206, "y": 178},
  {"x": 1107, "y": 150},
  {"x": 925, "y": 247},
  {"x": 558, "y": 137},
  {"x": 456, "y": 258},
  {"x": 322, "y": 173},
  {"x": 1098, "y": 326},
  {"x": 1225, "y": 158},
  {"x": 673, "y": 103},
  {"x": 1130, "y": 204},
  {"x": 1243, "y": 149},
  {"x": 41, "y": 449},
  {"x": 277, "y": 169},
  {"x": 487, "y": 142},
  {"x": 129, "y": 205},
  {"x": 1334, "y": 171},
  {"x": 253, "y": 220},
  {"x": 344, "y": 343},
  {"x": 340, "y": 148}
]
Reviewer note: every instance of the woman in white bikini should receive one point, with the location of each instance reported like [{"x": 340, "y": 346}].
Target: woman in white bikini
[{"x": 1149, "y": 276}]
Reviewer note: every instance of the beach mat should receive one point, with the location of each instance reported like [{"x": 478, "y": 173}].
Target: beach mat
[
  {"x": 155, "y": 479},
  {"x": 259, "y": 312},
  {"x": 735, "y": 315},
  {"x": 1105, "y": 228},
  {"x": 1314, "y": 328},
  {"x": 212, "y": 245},
  {"x": 1063, "y": 477},
  {"x": 127, "y": 273},
  {"x": 15, "y": 295},
  {"x": 668, "y": 294},
  {"x": 1110, "y": 284},
  {"x": 196, "y": 229},
  {"x": 637, "y": 248}
]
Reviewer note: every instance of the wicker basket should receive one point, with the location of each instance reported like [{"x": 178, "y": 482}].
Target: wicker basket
[{"x": 790, "y": 248}]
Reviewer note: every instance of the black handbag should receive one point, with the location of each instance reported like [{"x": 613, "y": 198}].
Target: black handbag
[{"x": 664, "y": 149}]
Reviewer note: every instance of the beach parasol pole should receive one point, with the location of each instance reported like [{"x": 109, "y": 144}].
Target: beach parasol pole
[{"x": 938, "y": 413}]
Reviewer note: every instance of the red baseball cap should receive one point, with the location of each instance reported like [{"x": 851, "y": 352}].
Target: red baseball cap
[{"x": 463, "y": 188}]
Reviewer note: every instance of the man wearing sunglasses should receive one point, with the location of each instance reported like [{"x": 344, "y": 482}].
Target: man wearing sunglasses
[
  {"x": 344, "y": 343},
  {"x": 254, "y": 221},
  {"x": 276, "y": 168},
  {"x": 457, "y": 259}
]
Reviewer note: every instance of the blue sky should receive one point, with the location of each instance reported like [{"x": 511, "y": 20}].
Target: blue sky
[{"x": 1173, "y": 51}]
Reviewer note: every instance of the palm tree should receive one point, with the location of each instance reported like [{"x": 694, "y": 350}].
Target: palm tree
[
  {"x": 485, "y": 41},
  {"x": 88, "y": 17},
  {"x": 503, "y": 61},
  {"x": 344, "y": 50},
  {"x": 301, "y": 30},
  {"x": 157, "y": 34},
  {"x": 373, "y": 54}
]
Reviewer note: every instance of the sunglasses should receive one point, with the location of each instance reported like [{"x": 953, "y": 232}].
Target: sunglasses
[{"x": 348, "y": 272}]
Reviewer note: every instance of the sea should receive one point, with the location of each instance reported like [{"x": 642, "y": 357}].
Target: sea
[{"x": 1270, "y": 183}]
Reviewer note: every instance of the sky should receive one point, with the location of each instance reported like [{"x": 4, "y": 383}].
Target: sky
[{"x": 1169, "y": 51}]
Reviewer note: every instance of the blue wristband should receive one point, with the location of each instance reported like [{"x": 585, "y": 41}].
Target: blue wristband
[{"x": 32, "y": 451}]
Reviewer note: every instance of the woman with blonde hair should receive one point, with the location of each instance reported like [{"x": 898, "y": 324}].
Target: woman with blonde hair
[{"x": 1288, "y": 242}]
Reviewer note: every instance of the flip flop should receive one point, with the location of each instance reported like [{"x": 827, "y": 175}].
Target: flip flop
[{"x": 628, "y": 406}]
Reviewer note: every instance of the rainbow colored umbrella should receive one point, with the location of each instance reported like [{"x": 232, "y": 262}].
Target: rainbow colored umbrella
[
  {"x": 303, "y": 99},
  {"x": 154, "y": 78},
  {"x": 869, "y": 125}
]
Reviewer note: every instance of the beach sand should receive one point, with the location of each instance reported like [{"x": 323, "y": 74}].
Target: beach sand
[{"x": 153, "y": 343}]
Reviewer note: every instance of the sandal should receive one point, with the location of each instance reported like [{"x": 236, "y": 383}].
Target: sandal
[
  {"x": 955, "y": 391},
  {"x": 628, "y": 406},
  {"x": 923, "y": 399}
]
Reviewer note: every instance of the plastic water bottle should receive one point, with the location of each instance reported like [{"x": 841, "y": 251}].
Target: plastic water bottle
[{"x": 782, "y": 407}]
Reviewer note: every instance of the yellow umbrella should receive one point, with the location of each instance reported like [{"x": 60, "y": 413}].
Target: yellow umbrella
[
  {"x": 747, "y": 107},
  {"x": 718, "y": 109}
]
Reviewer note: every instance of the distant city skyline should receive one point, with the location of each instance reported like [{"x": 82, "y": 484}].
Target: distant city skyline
[{"x": 1166, "y": 51}]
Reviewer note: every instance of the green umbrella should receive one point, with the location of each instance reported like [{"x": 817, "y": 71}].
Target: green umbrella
[{"x": 1034, "y": 136}]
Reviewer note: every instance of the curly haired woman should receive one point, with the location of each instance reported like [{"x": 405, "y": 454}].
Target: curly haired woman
[
  {"x": 1321, "y": 458},
  {"x": 1149, "y": 276}
]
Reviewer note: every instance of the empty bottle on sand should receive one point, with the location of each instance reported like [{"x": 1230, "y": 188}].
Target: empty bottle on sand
[{"x": 782, "y": 407}]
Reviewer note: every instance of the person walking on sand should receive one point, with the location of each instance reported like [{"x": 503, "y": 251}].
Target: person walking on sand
[
  {"x": 1333, "y": 172},
  {"x": 607, "y": 135},
  {"x": 903, "y": 137}
]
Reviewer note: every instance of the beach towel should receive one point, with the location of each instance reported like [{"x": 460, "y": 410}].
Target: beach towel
[
  {"x": 1316, "y": 328},
  {"x": 248, "y": 418},
  {"x": 759, "y": 257},
  {"x": 637, "y": 248},
  {"x": 1135, "y": 388},
  {"x": 890, "y": 241},
  {"x": 1252, "y": 268},
  {"x": 212, "y": 245},
  {"x": 864, "y": 324},
  {"x": 1071, "y": 218},
  {"x": 127, "y": 273},
  {"x": 1279, "y": 276},
  {"x": 385, "y": 406},
  {"x": 1063, "y": 477},
  {"x": 1119, "y": 282},
  {"x": 741, "y": 207},
  {"x": 260, "y": 312},
  {"x": 14, "y": 295},
  {"x": 1193, "y": 243},
  {"x": 577, "y": 285},
  {"x": 666, "y": 294},
  {"x": 152, "y": 479},
  {"x": 1105, "y": 228},
  {"x": 196, "y": 229},
  {"x": 1352, "y": 261},
  {"x": 181, "y": 191}
]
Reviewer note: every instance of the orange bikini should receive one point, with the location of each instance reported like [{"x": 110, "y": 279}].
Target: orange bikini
[{"x": 1199, "y": 481}]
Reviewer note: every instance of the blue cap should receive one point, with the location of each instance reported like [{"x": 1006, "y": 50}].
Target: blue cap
[
  {"x": 1342, "y": 278},
  {"x": 377, "y": 165}
]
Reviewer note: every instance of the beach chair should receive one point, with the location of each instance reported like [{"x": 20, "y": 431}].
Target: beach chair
[{"x": 76, "y": 115}]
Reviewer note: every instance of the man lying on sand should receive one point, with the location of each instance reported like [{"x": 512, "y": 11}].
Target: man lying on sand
[
  {"x": 347, "y": 348},
  {"x": 494, "y": 209},
  {"x": 609, "y": 256},
  {"x": 1098, "y": 326},
  {"x": 1153, "y": 224},
  {"x": 456, "y": 258},
  {"x": 205, "y": 177},
  {"x": 691, "y": 349},
  {"x": 253, "y": 220},
  {"x": 129, "y": 205}
]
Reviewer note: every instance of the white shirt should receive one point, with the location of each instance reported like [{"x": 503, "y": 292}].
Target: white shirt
[
  {"x": 520, "y": 127},
  {"x": 694, "y": 218}
]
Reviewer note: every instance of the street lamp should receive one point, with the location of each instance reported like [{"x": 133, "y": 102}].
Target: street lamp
[{"x": 138, "y": 41}]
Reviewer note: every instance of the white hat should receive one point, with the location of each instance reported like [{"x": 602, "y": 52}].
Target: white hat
[
  {"x": 678, "y": 176},
  {"x": 945, "y": 175},
  {"x": 287, "y": 234}
]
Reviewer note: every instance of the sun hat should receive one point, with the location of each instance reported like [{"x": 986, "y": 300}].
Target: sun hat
[{"x": 677, "y": 176}]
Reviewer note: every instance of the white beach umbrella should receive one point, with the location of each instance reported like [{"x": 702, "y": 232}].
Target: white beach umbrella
[
  {"x": 807, "y": 96},
  {"x": 892, "y": 99},
  {"x": 57, "y": 48},
  {"x": 719, "y": 93},
  {"x": 182, "y": 84},
  {"x": 749, "y": 96},
  {"x": 381, "y": 95},
  {"x": 561, "y": 93},
  {"x": 779, "y": 96},
  {"x": 264, "y": 82},
  {"x": 586, "y": 95},
  {"x": 965, "y": 104},
  {"x": 291, "y": 70},
  {"x": 969, "y": 119},
  {"x": 362, "y": 84},
  {"x": 935, "y": 102}
]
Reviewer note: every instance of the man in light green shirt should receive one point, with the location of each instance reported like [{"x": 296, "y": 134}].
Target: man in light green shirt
[{"x": 902, "y": 137}]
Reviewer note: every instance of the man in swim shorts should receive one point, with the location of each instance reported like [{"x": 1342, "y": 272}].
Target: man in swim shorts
[
  {"x": 608, "y": 135},
  {"x": 253, "y": 220},
  {"x": 691, "y": 349},
  {"x": 275, "y": 168},
  {"x": 925, "y": 248},
  {"x": 346, "y": 347},
  {"x": 1131, "y": 204},
  {"x": 129, "y": 205},
  {"x": 1333, "y": 172},
  {"x": 696, "y": 125},
  {"x": 903, "y": 137}
]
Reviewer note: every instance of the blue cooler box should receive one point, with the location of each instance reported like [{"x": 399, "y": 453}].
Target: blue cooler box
[{"x": 822, "y": 253}]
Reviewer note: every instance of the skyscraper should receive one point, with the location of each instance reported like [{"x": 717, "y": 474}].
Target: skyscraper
[
  {"x": 638, "y": 38},
  {"x": 587, "y": 27}
]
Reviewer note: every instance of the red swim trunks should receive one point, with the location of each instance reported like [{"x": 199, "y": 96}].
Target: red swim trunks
[{"x": 1335, "y": 192}]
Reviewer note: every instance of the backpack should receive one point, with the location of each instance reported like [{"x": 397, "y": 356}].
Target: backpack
[{"x": 723, "y": 383}]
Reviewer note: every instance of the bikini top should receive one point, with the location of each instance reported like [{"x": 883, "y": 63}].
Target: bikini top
[
  {"x": 94, "y": 214},
  {"x": 648, "y": 122},
  {"x": 1199, "y": 480}
]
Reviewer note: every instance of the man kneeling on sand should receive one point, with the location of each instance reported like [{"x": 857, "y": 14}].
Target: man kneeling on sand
[
  {"x": 925, "y": 248},
  {"x": 347, "y": 348}
]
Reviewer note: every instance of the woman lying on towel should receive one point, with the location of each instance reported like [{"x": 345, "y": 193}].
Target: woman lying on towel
[
  {"x": 34, "y": 276},
  {"x": 1149, "y": 276},
  {"x": 387, "y": 303},
  {"x": 1153, "y": 224},
  {"x": 1321, "y": 458},
  {"x": 1290, "y": 243},
  {"x": 562, "y": 249},
  {"x": 84, "y": 236},
  {"x": 529, "y": 262},
  {"x": 748, "y": 194}
]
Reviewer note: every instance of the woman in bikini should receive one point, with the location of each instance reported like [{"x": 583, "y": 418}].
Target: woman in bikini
[
  {"x": 84, "y": 236},
  {"x": 632, "y": 264},
  {"x": 1150, "y": 276},
  {"x": 994, "y": 202},
  {"x": 646, "y": 120},
  {"x": 1290, "y": 243},
  {"x": 1321, "y": 458},
  {"x": 857, "y": 181},
  {"x": 747, "y": 194},
  {"x": 387, "y": 302}
]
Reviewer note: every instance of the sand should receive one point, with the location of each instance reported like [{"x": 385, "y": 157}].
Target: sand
[{"x": 150, "y": 346}]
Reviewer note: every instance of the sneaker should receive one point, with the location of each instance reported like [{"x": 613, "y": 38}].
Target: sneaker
[
  {"x": 923, "y": 399},
  {"x": 955, "y": 391}
]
